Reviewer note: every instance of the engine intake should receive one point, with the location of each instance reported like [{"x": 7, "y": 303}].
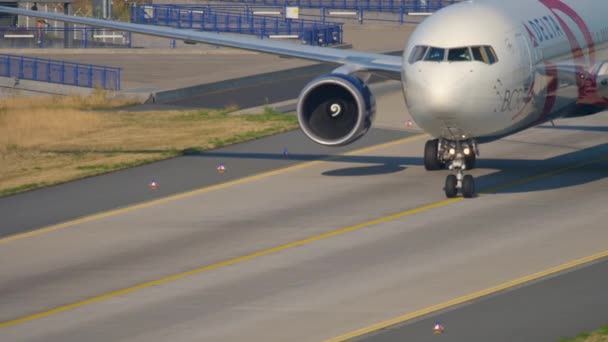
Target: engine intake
[
  {"x": 602, "y": 80},
  {"x": 336, "y": 109}
]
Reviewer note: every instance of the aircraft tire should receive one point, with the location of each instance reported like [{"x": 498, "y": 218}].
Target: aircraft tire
[
  {"x": 468, "y": 186},
  {"x": 450, "y": 186},
  {"x": 431, "y": 163}
]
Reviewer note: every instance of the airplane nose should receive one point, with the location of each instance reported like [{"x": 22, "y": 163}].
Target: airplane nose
[{"x": 436, "y": 99}]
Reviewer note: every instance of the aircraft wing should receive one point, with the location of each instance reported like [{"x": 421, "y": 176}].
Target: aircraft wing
[{"x": 357, "y": 61}]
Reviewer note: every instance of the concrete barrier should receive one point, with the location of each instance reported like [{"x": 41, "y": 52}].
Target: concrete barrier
[
  {"x": 12, "y": 86},
  {"x": 26, "y": 87}
]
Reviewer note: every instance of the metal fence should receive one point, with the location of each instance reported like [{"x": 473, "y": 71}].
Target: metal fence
[
  {"x": 325, "y": 15},
  {"x": 68, "y": 73},
  {"x": 207, "y": 18},
  {"x": 376, "y": 5},
  {"x": 51, "y": 37}
]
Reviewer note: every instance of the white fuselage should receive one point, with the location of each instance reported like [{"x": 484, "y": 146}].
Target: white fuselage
[{"x": 536, "y": 43}]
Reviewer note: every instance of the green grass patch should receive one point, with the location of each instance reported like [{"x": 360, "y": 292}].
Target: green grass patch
[
  {"x": 270, "y": 114},
  {"x": 103, "y": 168},
  {"x": 238, "y": 138},
  {"x": 22, "y": 188}
]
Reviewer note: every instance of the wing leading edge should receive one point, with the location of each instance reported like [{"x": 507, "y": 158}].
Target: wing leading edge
[{"x": 360, "y": 61}]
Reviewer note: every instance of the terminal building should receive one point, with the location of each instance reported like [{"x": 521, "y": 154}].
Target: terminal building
[
  {"x": 30, "y": 32},
  {"x": 11, "y": 20},
  {"x": 8, "y": 20}
]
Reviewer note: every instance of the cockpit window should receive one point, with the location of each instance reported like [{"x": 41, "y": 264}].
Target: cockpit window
[
  {"x": 459, "y": 55},
  {"x": 491, "y": 54},
  {"x": 479, "y": 54},
  {"x": 484, "y": 54},
  {"x": 435, "y": 54},
  {"x": 417, "y": 54}
]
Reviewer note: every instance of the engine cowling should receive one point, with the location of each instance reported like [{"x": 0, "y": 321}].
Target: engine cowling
[
  {"x": 336, "y": 109},
  {"x": 602, "y": 80}
]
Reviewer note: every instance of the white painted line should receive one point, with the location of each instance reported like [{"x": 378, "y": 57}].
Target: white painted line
[
  {"x": 267, "y": 12},
  {"x": 108, "y": 36},
  {"x": 18, "y": 36},
  {"x": 283, "y": 36},
  {"x": 420, "y": 13},
  {"x": 342, "y": 13}
]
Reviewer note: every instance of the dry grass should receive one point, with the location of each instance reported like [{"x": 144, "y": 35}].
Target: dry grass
[
  {"x": 600, "y": 335},
  {"x": 28, "y": 122},
  {"x": 597, "y": 338},
  {"x": 51, "y": 140}
]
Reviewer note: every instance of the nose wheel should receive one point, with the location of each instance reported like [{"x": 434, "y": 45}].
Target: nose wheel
[
  {"x": 466, "y": 185},
  {"x": 451, "y": 186},
  {"x": 458, "y": 156}
]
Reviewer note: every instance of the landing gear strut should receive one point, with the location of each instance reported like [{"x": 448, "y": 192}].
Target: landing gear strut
[{"x": 457, "y": 156}]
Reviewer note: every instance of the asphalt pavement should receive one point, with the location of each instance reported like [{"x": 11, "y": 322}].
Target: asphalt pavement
[{"x": 559, "y": 306}]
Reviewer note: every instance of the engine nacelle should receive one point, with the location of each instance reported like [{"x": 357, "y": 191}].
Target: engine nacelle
[
  {"x": 602, "y": 80},
  {"x": 336, "y": 109}
]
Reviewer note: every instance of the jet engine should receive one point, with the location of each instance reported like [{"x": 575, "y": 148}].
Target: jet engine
[
  {"x": 602, "y": 80},
  {"x": 336, "y": 109}
]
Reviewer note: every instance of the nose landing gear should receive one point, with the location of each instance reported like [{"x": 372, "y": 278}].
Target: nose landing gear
[
  {"x": 466, "y": 184},
  {"x": 462, "y": 156},
  {"x": 457, "y": 156}
]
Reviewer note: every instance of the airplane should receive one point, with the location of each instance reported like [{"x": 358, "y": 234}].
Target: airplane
[{"x": 471, "y": 73}]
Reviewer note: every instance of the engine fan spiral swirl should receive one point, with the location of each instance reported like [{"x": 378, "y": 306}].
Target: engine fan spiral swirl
[{"x": 335, "y": 109}]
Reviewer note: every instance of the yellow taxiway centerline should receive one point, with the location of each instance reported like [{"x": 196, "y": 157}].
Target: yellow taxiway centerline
[
  {"x": 292, "y": 245},
  {"x": 492, "y": 290},
  {"x": 226, "y": 263},
  {"x": 247, "y": 179},
  {"x": 469, "y": 297}
]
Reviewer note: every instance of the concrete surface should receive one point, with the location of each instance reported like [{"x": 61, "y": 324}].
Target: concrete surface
[{"x": 557, "y": 307}]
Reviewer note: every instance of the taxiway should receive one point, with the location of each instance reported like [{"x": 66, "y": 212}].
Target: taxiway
[
  {"x": 312, "y": 252},
  {"x": 546, "y": 310}
]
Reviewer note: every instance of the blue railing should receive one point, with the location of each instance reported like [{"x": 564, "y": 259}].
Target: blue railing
[
  {"x": 68, "y": 73},
  {"x": 324, "y": 15},
  {"x": 76, "y": 37},
  {"x": 376, "y": 5},
  {"x": 207, "y": 18}
]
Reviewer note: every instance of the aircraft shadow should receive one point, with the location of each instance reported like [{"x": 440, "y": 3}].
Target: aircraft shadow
[
  {"x": 569, "y": 169},
  {"x": 508, "y": 170},
  {"x": 576, "y": 128},
  {"x": 365, "y": 170}
]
